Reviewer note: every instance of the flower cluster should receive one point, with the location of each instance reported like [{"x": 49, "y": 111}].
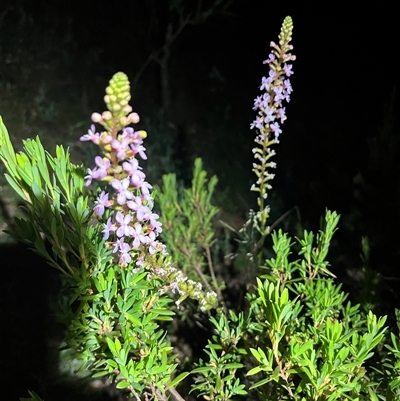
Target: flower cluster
[
  {"x": 132, "y": 224},
  {"x": 129, "y": 225},
  {"x": 271, "y": 114}
]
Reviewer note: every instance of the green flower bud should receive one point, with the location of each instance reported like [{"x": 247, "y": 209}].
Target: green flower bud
[
  {"x": 118, "y": 94},
  {"x": 286, "y": 30}
]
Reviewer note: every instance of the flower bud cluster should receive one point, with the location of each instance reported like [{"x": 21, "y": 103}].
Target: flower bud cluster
[
  {"x": 271, "y": 113},
  {"x": 130, "y": 227}
]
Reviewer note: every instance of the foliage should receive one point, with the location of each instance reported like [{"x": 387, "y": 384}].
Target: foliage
[
  {"x": 301, "y": 338},
  {"x": 187, "y": 219}
]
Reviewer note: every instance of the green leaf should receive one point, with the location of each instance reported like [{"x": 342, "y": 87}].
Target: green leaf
[
  {"x": 201, "y": 369},
  {"x": 117, "y": 345},
  {"x": 158, "y": 369},
  {"x": 372, "y": 395},
  {"x": 17, "y": 188},
  {"x": 112, "y": 363},
  {"x": 261, "y": 383},
  {"x": 234, "y": 365},
  {"x": 100, "y": 374},
  {"x": 254, "y": 371},
  {"x": 305, "y": 347},
  {"x": 178, "y": 379},
  {"x": 33, "y": 395},
  {"x": 122, "y": 384},
  {"x": 111, "y": 345},
  {"x": 134, "y": 319}
]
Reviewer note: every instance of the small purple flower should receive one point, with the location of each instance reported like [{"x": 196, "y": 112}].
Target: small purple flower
[
  {"x": 264, "y": 84},
  {"x": 139, "y": 149},
  {"x": 101, "y": 203},
  {"x": 143, "y": 213},
  {"x": 153, "y": 245},
  {"x": 108, "y": 227},
  {"x": 125, "y": 229},
  {"x": 127, "y": 132},
  {"x": 270, "y": 59},
  {"x": 137, "y": 179},
  {"x": 139, "y": 237},
  {"x": 121, "y": 186},
  {"x": 288, "y": 69},
  {"x": 92, "y": 135},
  {"x": 121, "y": 146},
  {"x": 154, "y": 217},
  {"x": 281, "y": 113},
  {"x": 275, "y": 129},
  {"x": 123, "y": 248},
  {"x": 269, "y": 114},
  {"x": 288, "y": 86},
  {"x": 151, "y": 236},
  {"x": 134, "y": 204},
  {"x": 133, "y": 135},
  {"x": 131, "y": 166},
  {"x": 279, "y": 96},
  {"x": 102, "y": 166},
  {"x": 257, "y": 123},
  {"x": 124, "y": 255},
  {"x": 155, "y": 227},
  {"x": 265, "y": 100},
  {"x": 146, "y": 193},
  {"x": 89, "y": 177},
  {"x": 257, "y": 102},
  {"x": 117, "y": 245}
]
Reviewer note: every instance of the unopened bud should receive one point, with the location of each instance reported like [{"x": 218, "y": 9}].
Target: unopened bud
[
  {"x": 107, "y": 115},
  {"x": 127, "y": 109},
  {"x": 143, "y": 134},
  {"x": 96, "y": 117},
  {"x": 134, "y": 118}
]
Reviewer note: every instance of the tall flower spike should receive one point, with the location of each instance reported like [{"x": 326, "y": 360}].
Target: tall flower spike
[
  {"x": 129, "y": 226},
  {"x": 270, "y": 115}
]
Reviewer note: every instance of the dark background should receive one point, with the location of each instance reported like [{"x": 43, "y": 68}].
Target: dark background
[{"x": 339, "y": 147}]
